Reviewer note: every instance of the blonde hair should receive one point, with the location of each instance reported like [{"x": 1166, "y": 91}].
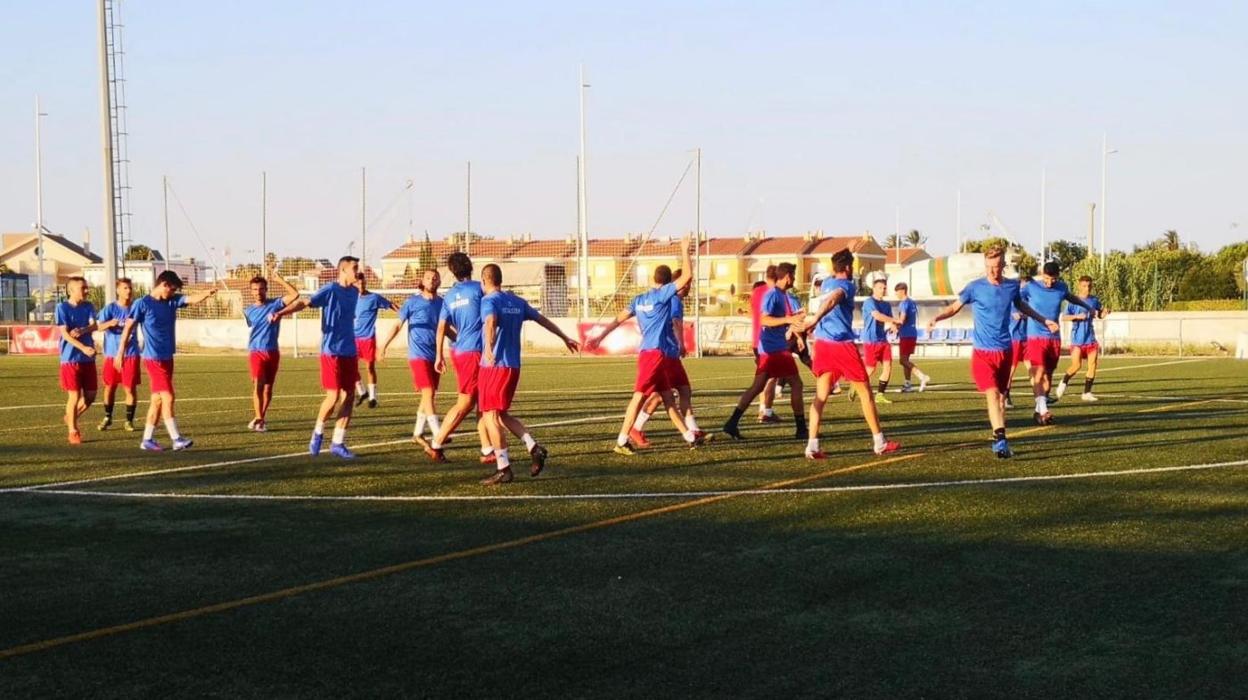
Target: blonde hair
[{"x": 995, "y": 251}]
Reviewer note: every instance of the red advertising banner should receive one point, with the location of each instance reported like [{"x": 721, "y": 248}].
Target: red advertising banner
[
  {"x": 625, "y": 340},
  {"x": 34, "y": 340}
]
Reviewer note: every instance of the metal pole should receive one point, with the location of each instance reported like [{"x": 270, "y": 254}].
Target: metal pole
[
  {"x": 43, "y": 285},
  {"x": 697, "y": 260},
  {"x": 110, "y": 222},
  {"x": 264, "y": 221},
  {"x": 1043, "y": 187},
  {"x": 897, "y": 238},
  {"x": 958, "y": 220},
  {"x": 1091, "y": 228},
  {"x": 164, "y": 188},
  {"x": 468, "y": 225},
  {"x": 1104, "y": 188},
  {"x": 582, "y": 207},
  {"x": 363, "y": 223}
]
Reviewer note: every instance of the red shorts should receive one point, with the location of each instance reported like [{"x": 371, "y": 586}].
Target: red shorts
[
  {"x": 676, "y": 376},
  {"x": 1090, "y": 348},
  {"x": 905, "y": 346},
  {"x": 776, "y": 364},
  {"x": 127, "y": 377},
  {"x": 991, "y": 369},
  {"x": 160, "y": 374},
  {"x": 467, "y": 369},
  {"x": 651, "y": 372},
  {"x": 498, "y": 387},
  {"x": 339, "y": 372},
  {"x": 1044, "y": 352},
  {"x": 366, "y": 349},
  {"x": 1018, "y": 351},
  {"x": 264, "y": 365},
  {"x": 877, "y": 353},
  {"x": 78, "y": 376},
  {"x": 841, "y": 358},
  {"x": 423, "y": 376}
]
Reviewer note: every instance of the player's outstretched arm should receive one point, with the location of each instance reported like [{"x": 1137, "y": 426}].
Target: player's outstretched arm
[
  {"x": 828, "y": 304},
  {"x": 200, "y": 297},
  {"x": 949, "y": 312},
  {"x": 686, "y": 265},
  {"x": 549, "y": 325},
  {"x": 1031, "y": 313},
  {"x": 623, "y": 316},
  {"x": 292, "y": 308},
  {"x": 385, "y": 345},
  {"x": 1076, "y": 301}
]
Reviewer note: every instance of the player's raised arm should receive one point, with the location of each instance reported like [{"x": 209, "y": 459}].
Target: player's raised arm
[
  {"x": 828, "y": 304},
  {"x": 289, "y": 292},
  {"x": 949, "y": 312},
  {"x": 686, "y": 265},
  {"x": 620, "y": 318},
  {"x": 199, "y": 298},
  {"x": 1076, "y": 301}
]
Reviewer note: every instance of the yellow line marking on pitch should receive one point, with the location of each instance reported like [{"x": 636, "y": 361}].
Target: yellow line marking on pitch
[
  {"x": 417, "y": 564},
  {"x": 1171, "y": 407}
]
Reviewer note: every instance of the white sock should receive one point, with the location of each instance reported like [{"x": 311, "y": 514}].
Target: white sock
[
  {"x": 372, "y": 391},
  {"x": 149, "y": 431},
  {"x": 435, "y": 424},
  {"x": 769, "y": 412},
  {"x": 171, "y": 426},
  {"x": 877, "y": 439},
  {"x": 419, "y": 428},
  {"x": 529, "y": 442},
  {"x": 692, "y": 423},
  {"x": 621, "y": 439},
  {"x": 340, "y": 434},
  {"x": 320, "y": 428},
  {"x": 812, "y": 445},
  {"x": 504, "y": 460},
  {"x": 359, "y": 389},
  {"x": 640, "y": 423},
  {"x": 487, "y": 451},
  {"x": 1042, "y": 405},
  {"x": 689, "y": 437}
]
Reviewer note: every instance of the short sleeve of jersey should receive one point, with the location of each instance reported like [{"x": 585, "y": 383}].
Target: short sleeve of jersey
[
  {"x": 666, "y": 292},
  {"x": 384, "y": 303},
  {"x": 61, "y": 319},
  {"x": 179, "y": 301},
  {"x": 445, "y": 313},
  {"x": 968, "y": 294},
  {"x": 530, "y": 313},
  {"x": 632, "y": 305},
  {"x": 678, "y": 308},
  {"x": 487, "y": 307},
  {"x": 138, "y": 310},
  {"x": 774, "y": 304},
  {"x": 321, "y": 297}
]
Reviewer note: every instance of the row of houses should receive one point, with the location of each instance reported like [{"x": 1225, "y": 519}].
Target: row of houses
[{"x": 727, "y": 266}]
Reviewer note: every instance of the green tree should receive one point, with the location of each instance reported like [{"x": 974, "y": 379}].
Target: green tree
[
  {"x": 246, "y": 271},
  {"x": 914, "y": 239},
  {"x": 427, "y": 261},
  {"x": 138, "y": 251},
  {"x": 1169, "y": 240},
  {"x": 1067, "y": 253},
  {"x": 270, "y": 260},
  {"x": 1231, "y": 259},
  {"x": 893, "y": 241},
  {"x": 291, "y": 266}
]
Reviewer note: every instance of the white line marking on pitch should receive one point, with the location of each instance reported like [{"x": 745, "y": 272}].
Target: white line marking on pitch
[
  {"x": 1152, "y": 364},
  {"x": 909, "y": 485}
]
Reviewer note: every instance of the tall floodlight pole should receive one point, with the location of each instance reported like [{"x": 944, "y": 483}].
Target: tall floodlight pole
[
  {"x": 582, "y": 209},
  {"x": 468, "y": 223},
  {"x": 957, "y": 219},
  {"x": 1105, "y": 154},
  {"x": 363, "y": 222},
  {"x": 1043, "y": 191},
  {"x": 697, "y": 259},
  {"x": 164, "y": 211},
  {"x": 39, "y": 227},
  {"x": 264, "y": 221},
  {"x": 897, "y": 238},
  {"x": 110, "y": 222}
]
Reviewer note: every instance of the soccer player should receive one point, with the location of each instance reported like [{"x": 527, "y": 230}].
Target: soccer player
[
  {"x": 502, "y": 315},
  {"x": 654, "y": 312},
  {"x": 766, "y": 399},
  {"x": 461, "y": 318},
  {"x": 877, "y": 322},
  {"x": 421, "y": 312},
  {"x": 774, "y": 359},
  {"x": 110, "y": 322},
  {"x": 1018, "y": 341},
  {"x": 366, "y": 309},
  {"x": 992, "y": 298},
  {"x": 157, "y": 315},
  {"x": 340, "y": 368},
  {"x": 677, "y": 378},
  {"x": 1083, "y": 340},
  {"x": 908, "y": 337},
  {"x": 836, "y": 357},
  {"x": 1044, "y": 343},
  {"x": 76, "y": 319},
  {"x": 263, "y": 353}
]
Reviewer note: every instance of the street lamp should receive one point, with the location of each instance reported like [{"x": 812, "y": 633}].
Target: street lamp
[{"x": 1105, "y": 154}]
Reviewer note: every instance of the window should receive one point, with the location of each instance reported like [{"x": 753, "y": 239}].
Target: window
[
  {"x": 643, "y": 275},
  {"x": 721, "y": 269}
]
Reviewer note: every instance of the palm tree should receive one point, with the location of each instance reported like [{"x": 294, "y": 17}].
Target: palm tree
[
  {"x": 892, "y": 241},
  {"x": 1170, "y": 240},
  {"x": 914, "y": 239}
]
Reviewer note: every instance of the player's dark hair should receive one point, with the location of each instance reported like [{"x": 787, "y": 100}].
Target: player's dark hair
[
  {"x": 786, "y": 269},
  {"x": 126, "y": 281},
  {"x": 170, "y": 278},
  {"x": 662, "y": 274},
  {"x": 879, "y": 280},
  {"x": 493, "y": 274},
  {"x": 460, "y": 264},
  {"x": 771, "y": 273},
  {"x": 1052, "y": 269},
  {"x": 901, "y": 286},
  {"x": 1086, "y": 278},
  {"x": 758, "y": 284},
  {"x": 259, "y": 280},
  {"x": 347, "y": 259},
  {"x": 71, "y": 280},
  {"x": 842, "y": 260}
]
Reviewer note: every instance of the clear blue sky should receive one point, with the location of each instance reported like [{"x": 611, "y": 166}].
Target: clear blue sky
[{"x": 810, "y": 115}]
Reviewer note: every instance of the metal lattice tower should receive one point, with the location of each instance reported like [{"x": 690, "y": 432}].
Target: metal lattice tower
[{"x": 114, "y": 51}]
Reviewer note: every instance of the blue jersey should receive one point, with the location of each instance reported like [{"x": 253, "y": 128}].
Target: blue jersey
[
  {"x": 337, "y": 305},
  {"x": 509, "y": 312},
  {"x": 1082, "y": 331},
  {"x": 263, "y": 334},
  {"x": 421, "y": 316},
  {"x": 1047, "y": 301},
  {"x": 158, "y": 319},
  {"x": 653, "y": 310},
  {"x": 1018, "y": 328},
  {"x": 991, "y": 305},
  {"x": 908, "y": 328},
  {"x": 366, "y": 308},
  {"x": 112, "y": 336},
  {"x": 75, "y": 316},
  {"x": 772, "y": 338},
  {"x": 872, "y": 329},
  {"x": 461, "y": 309},
  {"x": 838, "y": 324},
  {"x": 678, "y": 314}
]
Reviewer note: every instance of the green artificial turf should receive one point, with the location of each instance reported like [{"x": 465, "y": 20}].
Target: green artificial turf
[{"x": 1113, "y": 586}]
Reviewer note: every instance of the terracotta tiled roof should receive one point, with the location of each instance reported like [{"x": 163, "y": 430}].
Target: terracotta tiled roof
[
  {"x": 491, "y": 248},
  {"x": 611, "y": 248},
  {"x": 788, "y": 245},
  {"x": 545, "y": 250},
  {"x": 727, "y": 246},
  {"x": 904, "y": 256},
  {"x": 411, "y": 249},
  {"x": 661, "y": 248}
]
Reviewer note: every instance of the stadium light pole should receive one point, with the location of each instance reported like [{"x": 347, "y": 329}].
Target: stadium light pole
[
  {"x": 468, "y": 216},
  {"x": 164, "y": 212},
  {"x": 364, "y": 222},
  {"x": 697, "y": 259},
  {"x": 264, "y": 222},
  {"x": 43, "y": 285},
  {"x": 1105, "y": 154},
  {"x": 1043, "y": 192},
  {"x": 106, "y": 109},
  {"x": 582, "y": 208}
]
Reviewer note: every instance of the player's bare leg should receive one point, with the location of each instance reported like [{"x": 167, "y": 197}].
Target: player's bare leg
[
  {"x": 886, "y": 373},
  {"x": 72, "y": 401},
  {"x": 823, "y": 389},
  {"x": 635, "y": 404},
  {"x": 1040, "y": 391},
  {"x": 520, "y": 430},
  {"x": 761, "y": 381},
  {"x": 257, "y": 403},
  {"x": 766, "y": 410}
]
